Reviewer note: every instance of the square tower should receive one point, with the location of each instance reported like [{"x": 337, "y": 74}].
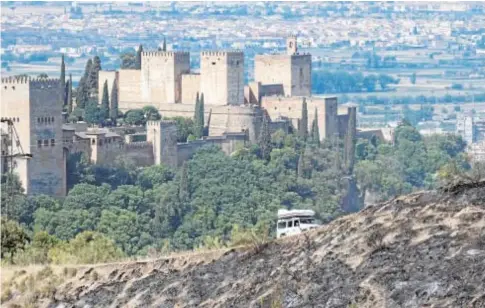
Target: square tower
[
  {"x": 291, "y": 70},
  {"x": 161, "y": 76},
  {"x": 222, "y": 77},
  {"x": 35, "y": 109},
  {"x": 163, "y": 136}
]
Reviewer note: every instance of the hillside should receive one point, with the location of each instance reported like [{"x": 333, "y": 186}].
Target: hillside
[{"x": 425, "y": 249}]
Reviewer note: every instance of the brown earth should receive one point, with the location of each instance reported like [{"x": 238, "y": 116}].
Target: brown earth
[{"x": 426, "y": 249}]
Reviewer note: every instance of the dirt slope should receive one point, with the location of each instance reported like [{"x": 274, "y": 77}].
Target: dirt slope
[{"x": 421, "y": 250}]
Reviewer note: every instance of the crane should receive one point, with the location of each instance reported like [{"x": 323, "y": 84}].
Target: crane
[{"x": 11, "y": 150}]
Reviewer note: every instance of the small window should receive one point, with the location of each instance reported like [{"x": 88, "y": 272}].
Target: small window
[
  {"x": 53, "y": 142},
  {"x": 39, "y": 143},
  {"x": 93, "y": 141},
  {"x": 290, "y": 224},
  {"x": 13, "y": 87},
  {"x": 282, "y": 225},
  {"x": 100, "y": 142},
  {"x": 52, "y": 119},
  {"x": 18, "y": 120},
  {"x": 46, "y": 142},
  {"x": 213, "y": 63},
  {"x": 5, "y": 87},
  {"x": 297, "y": 223}
]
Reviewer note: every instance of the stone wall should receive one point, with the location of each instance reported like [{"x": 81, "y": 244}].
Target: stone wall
[
  {"x": 163, "y": 136},
  {"x": 190, "y": 88},
  {"x": 111, "y": 77},
  {"x": 291, "y": 108},
  {"x": 140, "y": 153},
  {"x": 129, "y": 91},
  {"x": 273, "y": 69}
]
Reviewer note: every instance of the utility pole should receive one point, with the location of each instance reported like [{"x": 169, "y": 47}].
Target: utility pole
[{"x": 9, "y": 157}]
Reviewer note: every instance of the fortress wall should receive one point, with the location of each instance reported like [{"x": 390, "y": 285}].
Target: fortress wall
[
  {"x": 185, "y": 151},
  {"x": 190, "y": 88},
  {"x": 111, "y": 77},
  {"x": 291, "y": 107},
  {"x": 274, "y": 69},
  {"x": 345, "y": 113},
  {"x": 301, "y": 75},
  {"x": 140, "y": 153},
  {"x": 130, "y": 96}
]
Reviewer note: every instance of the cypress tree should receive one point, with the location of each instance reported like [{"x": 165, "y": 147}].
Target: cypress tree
[
  {"x": 184, "y": 183},
  {"x": 82, "y": 95},
  {"x": 303, "y": 129},
  {"x": 301, "y": 166},
  {"x": 199, "y": 128},
  {"x": 264, "y": 140},
  {"x": 114, "y": 103},
  {"x": 349, "y": 150},
  {"x": 138, "y": 57},
  {"x": 105, "y": 101},
  {"x": 196, "y": 113},
  {"x": 315, "y": 129},
  {"x": 92, "y": 80},
  {"x": 69, "y": 95},
  {"x": 63, "y": 81},
  {"x": 164, "y": 48}
]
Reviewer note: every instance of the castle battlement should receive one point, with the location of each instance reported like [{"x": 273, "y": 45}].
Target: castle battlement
[
  {"x": 15, "y": 80},
  {"x": 161, "y": 122},
  {"x": 222, "y": 53},
  {"x": 27, "y": 82},
  {"x": 165, "y": 54}
]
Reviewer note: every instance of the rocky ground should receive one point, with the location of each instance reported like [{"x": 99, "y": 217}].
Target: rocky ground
[{"x": 426, "y": 249}]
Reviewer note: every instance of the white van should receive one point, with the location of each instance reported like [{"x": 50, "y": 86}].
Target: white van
[{"x": 292, "y": 222}]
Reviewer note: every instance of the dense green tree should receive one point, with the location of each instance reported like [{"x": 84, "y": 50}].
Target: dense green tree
[
  {"x": 264, "y": 140},
  {"x": 105, "y": 101},
  {"x": 138, "y": 57},
  {"x": 92, "y": 113},
  {"x": 86, "y": 248},
  {"x": 135, "y": 117},
  {"x": 43, "y": 76},
  {"x": 303, "y": 128},
  {"x": 151, "y": 113},
  {"x": 185, "y": 127},
  {"x": 14, "y": 238},
  {"x": 113, "y": 111},
  {"x": 184, "y": 183}
]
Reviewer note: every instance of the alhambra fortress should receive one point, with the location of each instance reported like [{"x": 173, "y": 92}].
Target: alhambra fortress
[{"x": 233, "y": 112}]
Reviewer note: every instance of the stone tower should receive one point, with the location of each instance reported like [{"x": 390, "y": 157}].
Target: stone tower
[
  {"x": 291, "y": 70},
  {"x": 36, "y": 112},
  {"x": 291, "y": 45},
  {"x": 163, "y": 136},
  {"x": 222, "y": 77},
  {"x": 161, "y": 76}
]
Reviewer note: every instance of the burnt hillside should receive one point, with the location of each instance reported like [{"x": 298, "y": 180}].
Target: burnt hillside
[{"x": 426, "y": 249}]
